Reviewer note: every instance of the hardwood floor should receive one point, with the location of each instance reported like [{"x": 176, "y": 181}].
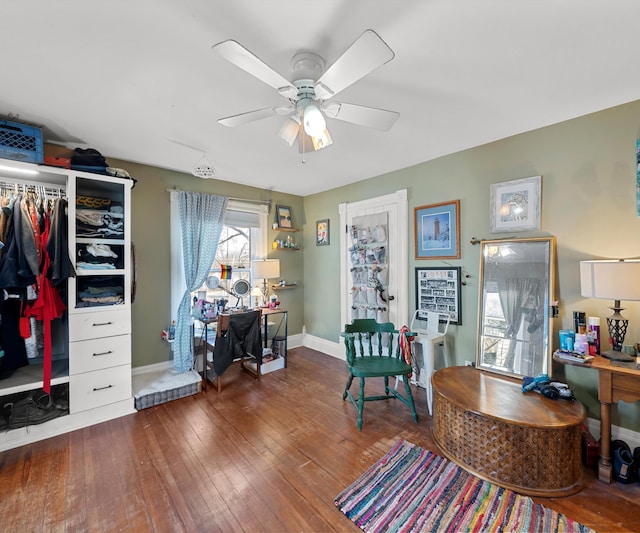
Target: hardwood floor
[{"x": 260, "y": 456}]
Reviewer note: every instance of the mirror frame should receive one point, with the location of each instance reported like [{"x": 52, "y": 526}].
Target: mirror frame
[{"x": 547, "y": 302}]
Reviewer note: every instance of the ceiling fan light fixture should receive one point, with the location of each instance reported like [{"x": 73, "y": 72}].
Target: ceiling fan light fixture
[
  {"x": 313, "y": 119},
  {"x": 289, "y": 130},
  {"x": 321, "y": 141}
]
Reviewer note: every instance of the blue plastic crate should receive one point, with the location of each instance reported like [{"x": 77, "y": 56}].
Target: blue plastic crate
[{"x": 21, "y": 142}]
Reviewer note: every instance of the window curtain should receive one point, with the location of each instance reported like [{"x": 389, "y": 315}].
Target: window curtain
[
  {"x": 515, "y": 297},
  {"x": 201, "y": 221}
]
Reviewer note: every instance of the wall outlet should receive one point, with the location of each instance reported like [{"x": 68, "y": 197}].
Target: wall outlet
[{"x": 469, "y": 363}]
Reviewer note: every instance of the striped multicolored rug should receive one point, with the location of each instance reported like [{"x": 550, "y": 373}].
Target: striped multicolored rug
[{"x": 412, "y": 489}]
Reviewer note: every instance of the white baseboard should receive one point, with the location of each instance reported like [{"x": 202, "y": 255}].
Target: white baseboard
[
  {"x": 335, "y": 349},
  {"x": 632, "y": 438}
]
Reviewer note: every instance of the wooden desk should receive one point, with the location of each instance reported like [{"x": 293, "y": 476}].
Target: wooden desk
[
  {"x": 222, "y": 324},
  {"x": 615, "y": 383}
]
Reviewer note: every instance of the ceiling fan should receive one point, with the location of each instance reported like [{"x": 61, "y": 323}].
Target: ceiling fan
[{"x": 310, "y": 94}]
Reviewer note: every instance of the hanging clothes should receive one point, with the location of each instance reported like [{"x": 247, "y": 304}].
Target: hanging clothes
[
  {"x": 47, "y": 307},
  {"x": 35, "y": 261}
]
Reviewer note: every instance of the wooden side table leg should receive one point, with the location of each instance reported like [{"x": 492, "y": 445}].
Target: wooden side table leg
[{"x": 604, "y": 464}]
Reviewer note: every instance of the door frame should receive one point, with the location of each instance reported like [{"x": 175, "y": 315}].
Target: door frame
[{"x": 401, "y": 263}]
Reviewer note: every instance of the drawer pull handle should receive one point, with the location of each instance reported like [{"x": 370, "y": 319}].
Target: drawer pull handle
[
  {"x": 102, "y": 353},
  {"x": 102, "y": 324},
  {"x": 102, "y": 388}
]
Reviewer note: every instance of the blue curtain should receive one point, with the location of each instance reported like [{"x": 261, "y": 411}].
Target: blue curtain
[{"x": 201, "y": 221}]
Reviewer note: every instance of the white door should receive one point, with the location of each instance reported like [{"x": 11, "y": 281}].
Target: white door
[{"x": 384, "y": 216}]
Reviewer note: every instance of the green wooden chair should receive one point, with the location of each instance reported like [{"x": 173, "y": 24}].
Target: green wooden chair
[{"x": 373, "y": 351}]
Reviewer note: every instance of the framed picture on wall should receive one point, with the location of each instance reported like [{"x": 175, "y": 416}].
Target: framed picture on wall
[
  {"x": 438, "y": 289},
  {"x": 437, "y": 230},
  {"x": 515, "y": 205},
  {"x": 322, "y": 232},
  {"x": 284, "y": 216}
]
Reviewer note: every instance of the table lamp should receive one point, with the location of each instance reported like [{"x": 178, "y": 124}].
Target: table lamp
[
  {"x": 265, "y": 269},
  {"x": 615, "y": 280}
]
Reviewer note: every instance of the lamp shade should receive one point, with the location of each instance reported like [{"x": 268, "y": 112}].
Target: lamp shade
[
  {"x": 314, "y": 123},
  {"x": 265, "y": 268},
  {"x": 610, "y": 279}
]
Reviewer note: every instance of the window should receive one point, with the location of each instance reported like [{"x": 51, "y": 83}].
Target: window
[
  {"x": 243, "y": 238},
  {"x": 232, "y": 263}
]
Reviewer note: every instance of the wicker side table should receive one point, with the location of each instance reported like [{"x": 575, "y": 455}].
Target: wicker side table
[{"x": 525, "y": 442}]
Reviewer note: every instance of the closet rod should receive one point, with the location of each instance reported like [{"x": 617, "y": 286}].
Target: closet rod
[
  {"x": 10, "y": 182},
  {"x": 247, "y": 200}
]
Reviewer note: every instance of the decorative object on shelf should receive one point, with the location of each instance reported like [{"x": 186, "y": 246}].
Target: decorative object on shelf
[
  {"x": 284, "y": 216},
  {"x": 614, "y": 280},
  {"x": 322, "y": 232},
  {"x": 265, "y": 269},
  {"x": 438, "y": 290},
  {"x": 437, "y": 230},
  {"x": 515, "y": 205},
  {"x": 273, "y": 302}
]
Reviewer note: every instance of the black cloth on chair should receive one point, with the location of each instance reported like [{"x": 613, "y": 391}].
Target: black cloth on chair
[{"x": 241, "y": 339}]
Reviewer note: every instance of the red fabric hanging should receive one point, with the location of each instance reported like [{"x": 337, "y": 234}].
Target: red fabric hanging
[{"x": 47, "y": 307}]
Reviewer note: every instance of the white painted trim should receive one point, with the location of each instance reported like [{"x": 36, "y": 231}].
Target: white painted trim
[{"x": 400, "y": 200}]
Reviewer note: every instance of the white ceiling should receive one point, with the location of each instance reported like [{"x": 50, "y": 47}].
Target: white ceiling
[{"x": 128, "y": 77}]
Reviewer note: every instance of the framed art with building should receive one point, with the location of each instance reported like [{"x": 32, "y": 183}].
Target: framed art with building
[
  {"x": 438, "y": 289},
  {"x": 437, "y": 230}
]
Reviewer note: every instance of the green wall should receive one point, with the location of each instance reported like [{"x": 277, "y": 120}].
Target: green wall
[
  {"x": 588, "y": 202},
  {"x": 150, "y": 233}
]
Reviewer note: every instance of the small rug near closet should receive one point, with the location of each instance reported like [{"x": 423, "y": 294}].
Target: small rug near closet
[
  {"x": 412, "y": 489},
  {"x": 155, "y": 388}
]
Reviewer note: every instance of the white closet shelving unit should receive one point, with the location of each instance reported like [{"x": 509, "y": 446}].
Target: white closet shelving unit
[{"x": 93, "y": 339}]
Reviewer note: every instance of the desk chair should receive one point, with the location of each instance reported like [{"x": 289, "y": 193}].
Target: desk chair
[
  {"x": 430, "y": 337},
  {"x": 373, "y": 351}
]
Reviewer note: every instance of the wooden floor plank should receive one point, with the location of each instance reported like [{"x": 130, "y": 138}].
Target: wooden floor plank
[{"x": 266, "y": 455}]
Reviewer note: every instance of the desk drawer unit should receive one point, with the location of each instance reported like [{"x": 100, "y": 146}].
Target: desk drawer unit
[
  {"x": 101, "y": 387},
  {"x": 84, "y": 326},
  {"x": 96, "y": 354}
]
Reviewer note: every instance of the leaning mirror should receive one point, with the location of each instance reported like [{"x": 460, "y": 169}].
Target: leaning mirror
[{"x": 517, "y": 277}]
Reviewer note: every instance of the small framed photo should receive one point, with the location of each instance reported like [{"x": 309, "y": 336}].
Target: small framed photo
[
  {"x": 438, "y": 290},
  {"x": 284, "y": 216},
  {"x": 515, "y": 205},
  {"x": 322, "y": 232},
  {"x": 437, "y": 230}
]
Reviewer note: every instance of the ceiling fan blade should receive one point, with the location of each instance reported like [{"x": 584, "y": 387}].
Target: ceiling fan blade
[
  {"x": 370, "y": 117},
  {"x": 365, "y": 55},
  {"x": 249, "y": 116},
  {"x": 242, "y": 58}
]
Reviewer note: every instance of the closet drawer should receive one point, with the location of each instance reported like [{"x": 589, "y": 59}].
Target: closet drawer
[
  {"x": 95, "y": 354},
  {"x": 102, "y": 387},
  {"x": 84, "y": 326}
]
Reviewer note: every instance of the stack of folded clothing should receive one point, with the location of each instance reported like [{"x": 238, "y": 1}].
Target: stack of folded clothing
[
  {"x": 100, "y": 290},
  {"x": 97, "y": 257},
  {"x": 88, "y": 160}
]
